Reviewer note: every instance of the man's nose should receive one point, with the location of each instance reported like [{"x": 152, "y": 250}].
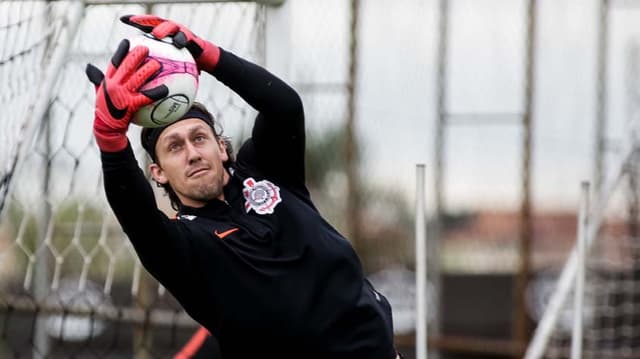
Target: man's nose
[{"x": 192, "y": 153}]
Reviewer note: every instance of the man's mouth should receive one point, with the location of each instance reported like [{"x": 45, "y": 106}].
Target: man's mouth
[{"x": 197, "y": 171}]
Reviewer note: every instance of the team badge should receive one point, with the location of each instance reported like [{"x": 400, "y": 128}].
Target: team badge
[{"x": 262, "y": 196}]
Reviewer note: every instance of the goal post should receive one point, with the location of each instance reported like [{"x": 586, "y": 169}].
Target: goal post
[
  {"x": 421, "y": 265},
  {"x": 578, "y": 298}
]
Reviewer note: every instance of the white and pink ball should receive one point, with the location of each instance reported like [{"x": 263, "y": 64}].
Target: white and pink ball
[{"x": 179, "y": 73}]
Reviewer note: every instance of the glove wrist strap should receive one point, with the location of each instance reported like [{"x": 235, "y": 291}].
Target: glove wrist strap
[
  {"x": 109, "y": 140},
  {"x": 209, "y": 58}
]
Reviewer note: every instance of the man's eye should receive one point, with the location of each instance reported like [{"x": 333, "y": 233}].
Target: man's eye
[
  {"x": 174, "y": 147},
  {"x": 200, "y": 138}
]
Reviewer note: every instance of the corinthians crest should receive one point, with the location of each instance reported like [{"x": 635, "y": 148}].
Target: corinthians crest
[{"x": 261, "y": 196}]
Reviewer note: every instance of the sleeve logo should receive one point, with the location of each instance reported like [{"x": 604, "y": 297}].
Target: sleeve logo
[{"x": 262, "y": 196}]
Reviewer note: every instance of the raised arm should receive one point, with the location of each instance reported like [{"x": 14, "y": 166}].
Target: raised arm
[
  {"x": 155, "y": 238},
  {"x": 278, "y": 137},
  {"x": 277, "y": 141}
]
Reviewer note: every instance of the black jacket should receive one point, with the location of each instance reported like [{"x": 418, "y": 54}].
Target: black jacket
[{"x": 262, "y": 271}]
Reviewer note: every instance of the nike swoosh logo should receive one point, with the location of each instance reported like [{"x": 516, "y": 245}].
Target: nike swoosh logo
[
  {"x": 225, "y": 233},
  {"x": 116, "y": 113}
]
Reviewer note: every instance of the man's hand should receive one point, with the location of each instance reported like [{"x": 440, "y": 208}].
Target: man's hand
[
  {"x": 204, "y": 52},
  {"x": 118, "y": 96}
]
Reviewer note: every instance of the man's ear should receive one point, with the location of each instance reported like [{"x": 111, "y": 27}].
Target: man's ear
[
  {"x": 157, "y": 173},
  {"x": 224, "y": 156}
]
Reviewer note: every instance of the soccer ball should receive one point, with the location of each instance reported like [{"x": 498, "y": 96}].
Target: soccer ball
[{"x": 178, "y": 72}]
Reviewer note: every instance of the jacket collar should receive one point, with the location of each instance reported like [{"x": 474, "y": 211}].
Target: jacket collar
[{"x": 213, "y": 208}]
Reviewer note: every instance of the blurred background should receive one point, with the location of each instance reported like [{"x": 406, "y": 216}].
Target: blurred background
[{"x": 509, "y": 103}]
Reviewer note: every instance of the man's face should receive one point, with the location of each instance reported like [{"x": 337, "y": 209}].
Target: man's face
[{"x": 190, "y": 159}]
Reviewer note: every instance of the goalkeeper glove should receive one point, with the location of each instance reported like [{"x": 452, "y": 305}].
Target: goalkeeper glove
[
  {"x": 204, "y": 52},
  {"x": 117, "y": 95}
]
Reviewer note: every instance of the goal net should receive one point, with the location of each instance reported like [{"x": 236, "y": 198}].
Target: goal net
[
  {"x": 611, "y": 319},
  {"x": 70, "y": 283},
  {"x": 611, "y": 298}
]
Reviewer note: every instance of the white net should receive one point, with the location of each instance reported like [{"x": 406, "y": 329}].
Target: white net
[
  {"x": 70, "y": 283},
  {"x": 27, "y": 28},
  {"x": 611, "y": 324}
]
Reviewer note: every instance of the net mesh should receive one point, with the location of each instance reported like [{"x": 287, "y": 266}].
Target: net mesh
[
  {"x": 25, "y": 37},
  {"x": 70, "y": 283},
  {"x": 611, "y": 321},
  {"x": 612, "y": 299}
]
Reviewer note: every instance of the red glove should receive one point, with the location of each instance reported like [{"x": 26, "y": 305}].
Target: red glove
[
  {"x": 117, "y": 95},
  {"x": 204, "y": 52}
]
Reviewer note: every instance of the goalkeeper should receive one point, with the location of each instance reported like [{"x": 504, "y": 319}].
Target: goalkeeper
[{"x": 248, "y": 256}]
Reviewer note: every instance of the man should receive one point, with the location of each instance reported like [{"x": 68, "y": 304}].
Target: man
[{"x": 249, "y": 257}]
